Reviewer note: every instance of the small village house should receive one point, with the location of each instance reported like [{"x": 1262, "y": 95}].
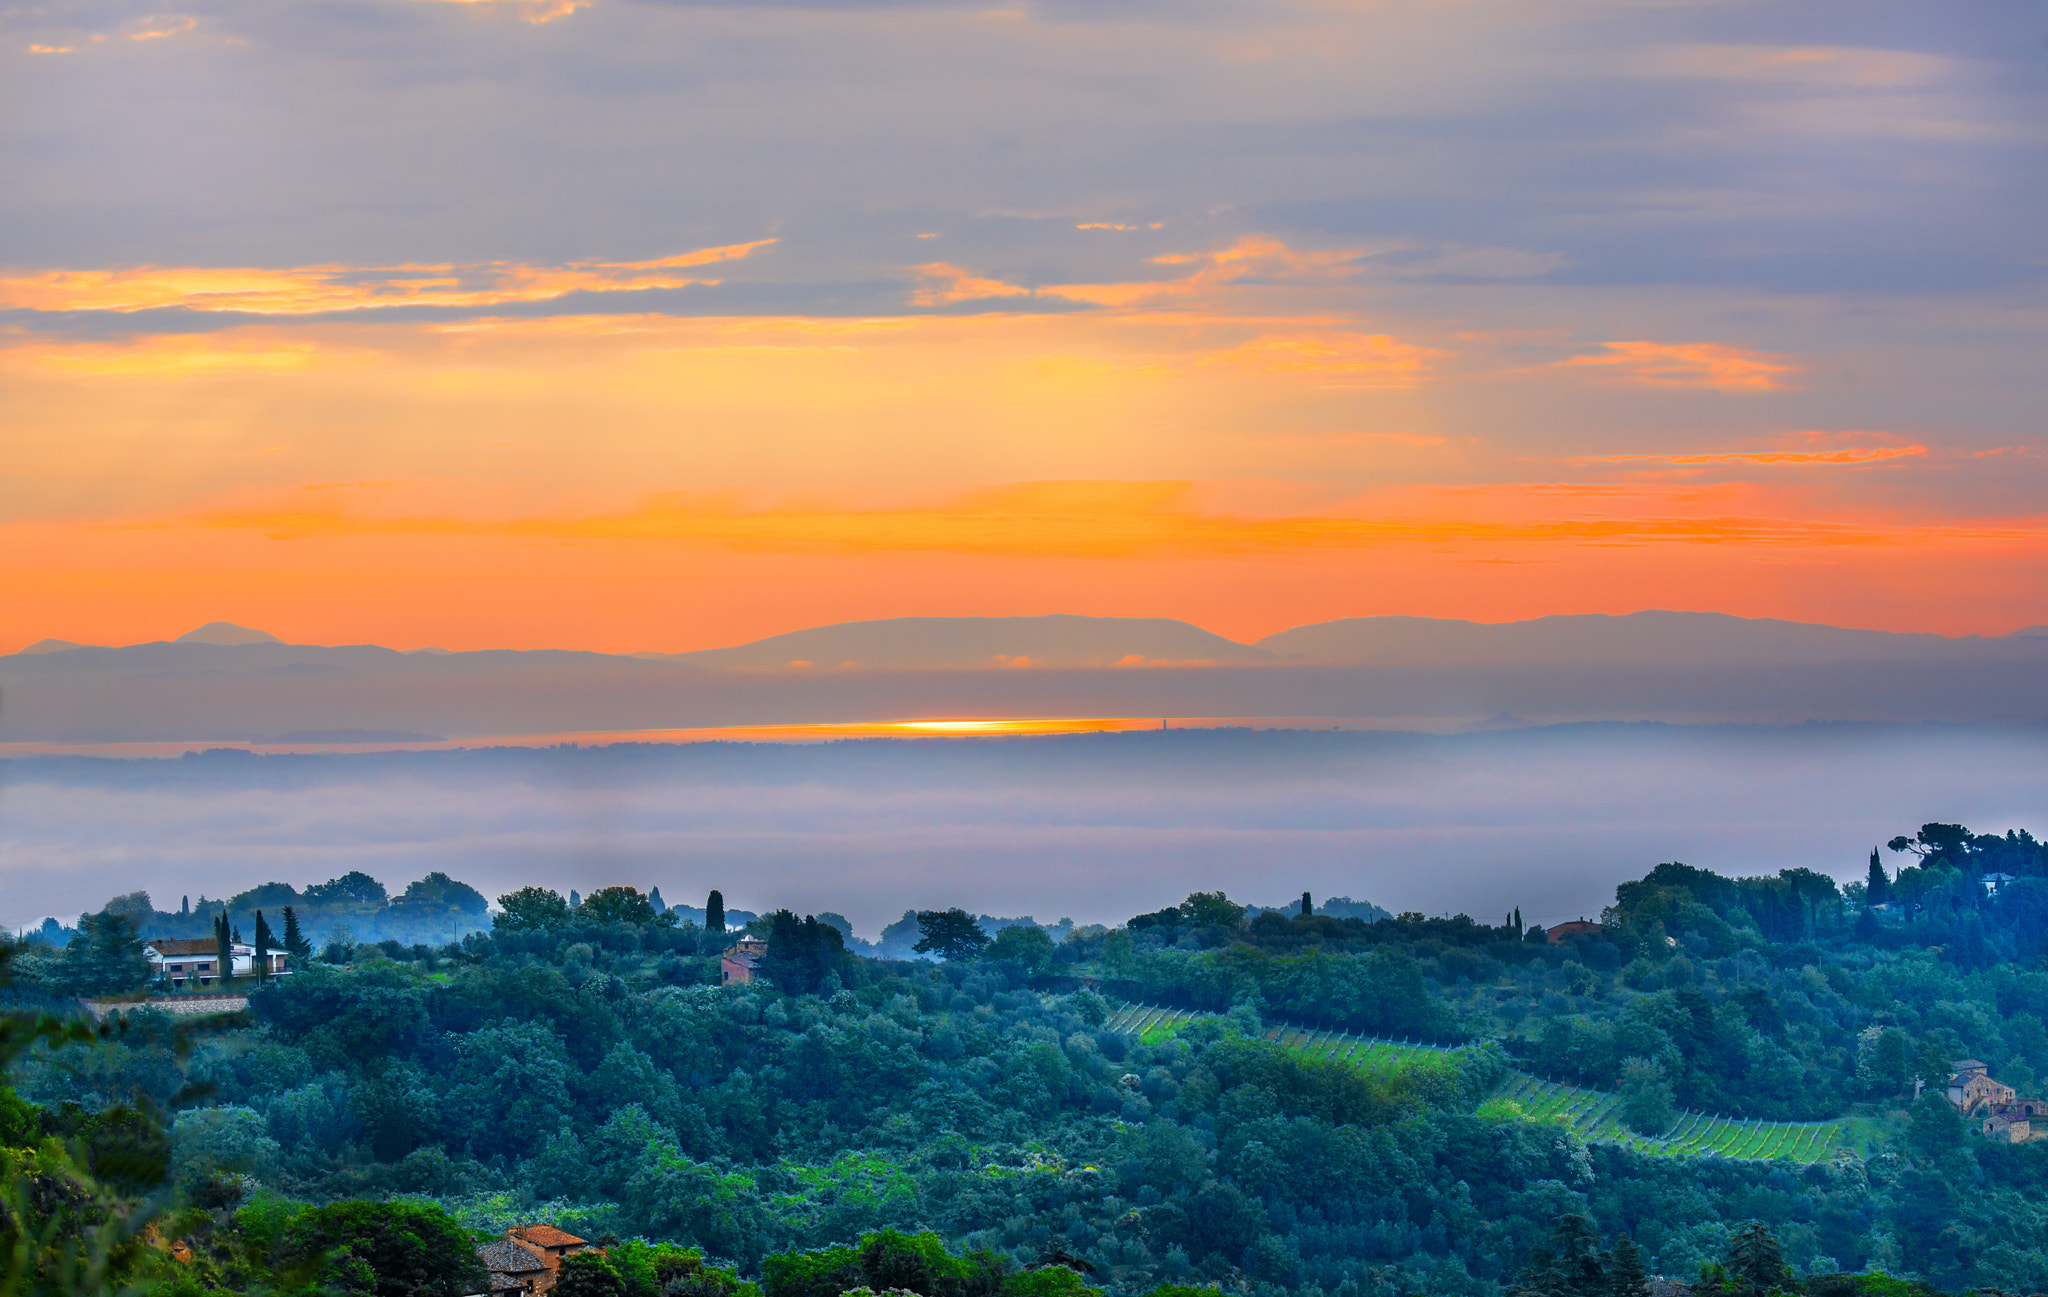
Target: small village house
[
  {"x": 1576, "y": 928},
  {"x": 195, "y": 961},
  {"x": 2001, "y": 1114},
  {"x": 741, "y": 961},
  {"x": 527, "y": 1261}
]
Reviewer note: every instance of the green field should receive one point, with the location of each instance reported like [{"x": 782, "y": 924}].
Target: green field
[{"x": 1593, "y": 1115}]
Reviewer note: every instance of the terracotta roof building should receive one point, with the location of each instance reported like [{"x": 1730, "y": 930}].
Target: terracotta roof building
[
  {"x": 742, "y": 959},
  {"x": 1576, "y": 928},
  {"x": 528, "y": 1260}
]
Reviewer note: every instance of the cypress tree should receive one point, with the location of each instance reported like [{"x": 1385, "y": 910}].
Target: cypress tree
[
  {"x": 263, "y": 939},
  {"x": 295, "y": 943},
  {"x": 1625, "y": 1275},
  {"x": 1306, "y": 908},
  {"x": 1755, "y": 1260},
  {"x": 714, "y": 912},
  {"x": 223, "y": 944},
  {"x": 1878, "y": 890}
]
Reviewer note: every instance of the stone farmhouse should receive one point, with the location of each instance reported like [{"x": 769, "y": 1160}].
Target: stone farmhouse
[
  {"x": 741, "y": 960},
  {"x": 1999, "y": 1111},
  {"x": 527, "y": 1261},
  {"x": 187, "y": 963}
]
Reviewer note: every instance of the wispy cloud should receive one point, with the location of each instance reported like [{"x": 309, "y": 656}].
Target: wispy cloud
[
  {"x": 944, "y": 285},
  {"x": 536, "y": 12},
  {"x": 1685, "y": 364},
  {"x": 311, "y": 290},
  {"x": 1853, "y": 455}
]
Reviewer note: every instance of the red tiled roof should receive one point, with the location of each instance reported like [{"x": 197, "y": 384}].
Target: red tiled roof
[
  {"x": 548, "y": 1236},
  {"x": 174, "y": 946}
]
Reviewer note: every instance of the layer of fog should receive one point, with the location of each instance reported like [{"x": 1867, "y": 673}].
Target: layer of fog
[{"x": 1096, "y": 827}]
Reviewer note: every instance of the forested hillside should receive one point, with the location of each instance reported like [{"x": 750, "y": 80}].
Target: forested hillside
[{"x": 582, "y": 1065}]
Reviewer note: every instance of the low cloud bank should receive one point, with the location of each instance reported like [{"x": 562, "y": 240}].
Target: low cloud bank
[{"x": 1096, "y": 827}]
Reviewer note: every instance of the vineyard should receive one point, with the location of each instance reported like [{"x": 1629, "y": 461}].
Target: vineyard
[{"x": 1593, "y": 1115}]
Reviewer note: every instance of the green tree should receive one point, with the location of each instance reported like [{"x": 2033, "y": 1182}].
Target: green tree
[
  {"x": 531, "y": 909},
  {"x": 1212, "y": 908},
  {"x": 950, "y": 934},
  {"x": 1625, "y": 1274},
  {"x": 1576, "y": 1255},
  {"x": 224, "y": 947},
  {"x": 264, "y": 938},
  {"x": 618, "y": 905},
  {"x": 105, "y": 958},
  {"x": 714, "y": 912},
  {"x": 354, "y": 889},
  {"x": 1936, "y": 1129},
  {"x": 1877, "y": 889},
  {"x": 1646, "y": 1097},
  {"x": 295, "y": 943},
  {"x": 1755, "y": 1261},
  {"x": 408, "y": 1248},
  {"x": 590, "y": 1274},
  {"x": 802, "y": 953},
  {"x": 1026, "y": 943}
]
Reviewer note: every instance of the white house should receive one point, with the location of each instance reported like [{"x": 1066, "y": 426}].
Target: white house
[{"x": 195, "y": 961}]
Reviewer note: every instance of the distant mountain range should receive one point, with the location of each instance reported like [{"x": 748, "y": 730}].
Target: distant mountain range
[
  {"x": 928, "y": 643},
  {"x": 228, "y": 682}
]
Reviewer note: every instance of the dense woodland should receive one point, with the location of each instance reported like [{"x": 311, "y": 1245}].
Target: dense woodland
[{"x": 961, "y": 1122}]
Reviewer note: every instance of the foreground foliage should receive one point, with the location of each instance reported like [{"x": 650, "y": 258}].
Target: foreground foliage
[{"x": 981, "y": 1125}]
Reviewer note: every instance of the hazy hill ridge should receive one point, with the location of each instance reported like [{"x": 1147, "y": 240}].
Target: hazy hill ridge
[
  {"x": 1643, "y": 639},
  {"x": 925, "y": 643},
  {"x": 1682, "y": 667}
]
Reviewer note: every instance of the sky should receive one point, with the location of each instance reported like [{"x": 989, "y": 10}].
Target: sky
[
  {"x": 649, "y": 325},
  {"x": 1092, "y": 827}
]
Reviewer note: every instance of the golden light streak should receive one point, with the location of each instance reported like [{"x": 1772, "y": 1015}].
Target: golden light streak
[{"x": 1083, "y": 519}]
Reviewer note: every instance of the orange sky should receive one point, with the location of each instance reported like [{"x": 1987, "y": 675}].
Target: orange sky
[{"x": 1185, "y": 373}]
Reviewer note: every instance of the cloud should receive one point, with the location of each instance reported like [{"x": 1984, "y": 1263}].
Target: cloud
[
  {"x": 164, "y": 27},
  {"x": 1853, "y": 455},
  {"x": 312, "y": 290},
  {"x": 536, "y": 12},
  {"x": 1685, "y": 364},
  {"x": 944, "y": 285}
]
